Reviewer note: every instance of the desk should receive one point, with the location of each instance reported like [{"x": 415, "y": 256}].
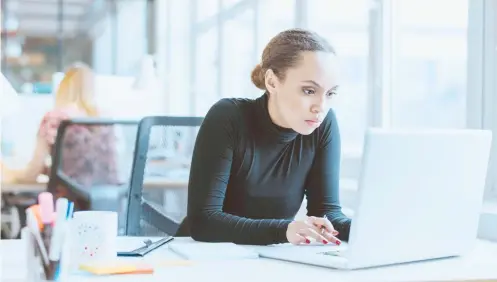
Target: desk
[
  {"x": 480, "y": 264},
  {"x": 41, "y": 185}
]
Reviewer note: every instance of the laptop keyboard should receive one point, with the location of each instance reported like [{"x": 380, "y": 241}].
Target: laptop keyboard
[{"x": 334, "y": 253}]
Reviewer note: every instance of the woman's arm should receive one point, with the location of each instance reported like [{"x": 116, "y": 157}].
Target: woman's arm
[
  {"x": 36, "y": 165},
  {"x": 322, "y": 188},
  {"x": 209, "y": 177}
]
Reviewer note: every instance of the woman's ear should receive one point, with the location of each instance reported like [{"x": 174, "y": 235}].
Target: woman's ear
[{"x": 271, "y": 81}]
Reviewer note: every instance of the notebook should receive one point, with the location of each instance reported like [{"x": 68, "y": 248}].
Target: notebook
[
  {"x": 193, "y": 250},
  {"x": 145, "y": 248}
]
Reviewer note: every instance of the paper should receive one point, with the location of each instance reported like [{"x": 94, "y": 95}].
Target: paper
[
  {"x": 290, "y": 249},
  {"x": 211, "y": 251}
]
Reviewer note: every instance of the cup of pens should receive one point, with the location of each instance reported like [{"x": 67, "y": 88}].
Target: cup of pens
[
  {"x": 61, "y": 240},
  {"x": 47, "y": 224}
]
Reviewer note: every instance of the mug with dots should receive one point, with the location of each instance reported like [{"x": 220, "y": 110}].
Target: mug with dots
[{"x": 94, "y": 237}]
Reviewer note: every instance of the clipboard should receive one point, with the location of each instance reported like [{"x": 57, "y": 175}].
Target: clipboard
[{"x": 147, "y": 248}]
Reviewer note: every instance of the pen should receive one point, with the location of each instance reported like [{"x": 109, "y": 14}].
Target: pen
[
  {"x": 36, "y": 212},
  {"x": 335, "y": 233},
  {"x": 322, "y": 227},
  {"x": 70, "y": 210},
  {"x": 57, "y": 239},
  {"x": 33, "y": 227}
]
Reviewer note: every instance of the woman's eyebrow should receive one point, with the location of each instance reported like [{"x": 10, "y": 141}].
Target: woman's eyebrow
[
  {"x": 313, "y": 82},
  {"x": 319, "y": 86}
]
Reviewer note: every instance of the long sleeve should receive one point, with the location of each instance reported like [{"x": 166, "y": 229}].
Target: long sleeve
[
  {"x": 322, "y": 188},
  {"x": 209, "y": 175}
]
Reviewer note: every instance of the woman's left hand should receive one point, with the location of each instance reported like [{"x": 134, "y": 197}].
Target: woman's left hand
[{"x": 327, "y": 229}]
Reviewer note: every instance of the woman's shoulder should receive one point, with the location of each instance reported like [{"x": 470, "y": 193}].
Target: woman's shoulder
[{"x": 229, "y": 110}]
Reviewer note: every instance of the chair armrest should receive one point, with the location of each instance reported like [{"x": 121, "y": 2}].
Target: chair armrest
[
  {"x": 159, "y": 220},
  {"x": 107, "y": 197},
  {"x": 99, "y": 197}
]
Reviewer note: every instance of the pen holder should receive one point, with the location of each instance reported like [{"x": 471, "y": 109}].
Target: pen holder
[{"x": 35, "y": 270}]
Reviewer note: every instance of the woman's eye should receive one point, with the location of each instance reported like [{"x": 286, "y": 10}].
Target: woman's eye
[
  {"x": 309, "y": 91},
  {"x": 329, "y": 94}
]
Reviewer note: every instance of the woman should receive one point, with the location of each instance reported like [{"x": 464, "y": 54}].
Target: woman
[
  {"x": 74, "y": 98},
  {"x": 254, "y": 160}
]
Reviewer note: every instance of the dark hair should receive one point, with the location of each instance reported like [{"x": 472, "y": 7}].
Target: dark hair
[{"x": 283, "y": 52}]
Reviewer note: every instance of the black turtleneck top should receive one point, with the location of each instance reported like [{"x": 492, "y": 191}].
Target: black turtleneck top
[{"x": 249, "y": 176}]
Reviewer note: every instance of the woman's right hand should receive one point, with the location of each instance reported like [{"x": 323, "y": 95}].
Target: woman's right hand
[{"x": 301, "y": 231}]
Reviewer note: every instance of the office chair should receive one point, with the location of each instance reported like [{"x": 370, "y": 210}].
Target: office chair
[
  {"x": 91, "y": 164},
  {"x": 163, "y": 150}
]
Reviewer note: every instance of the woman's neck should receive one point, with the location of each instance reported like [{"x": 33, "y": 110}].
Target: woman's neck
[{"x": 274, "y": 114}]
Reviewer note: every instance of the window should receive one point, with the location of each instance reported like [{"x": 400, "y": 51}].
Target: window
[
  {"x": 345, "y": 25},
  {"x": 430, "y": 66},
  {"x": 206, "y": 89},
  {"x": 129, "y": 55},
  {"x": 238, "y": 55},
  {"x": 178, "y": 57},
  {"x": 206, "y": 9},
  {"x": 272, "y": 17},
  {"x": 212, "y": 52}
]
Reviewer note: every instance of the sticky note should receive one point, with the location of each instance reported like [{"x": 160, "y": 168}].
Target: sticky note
[{"x": 106, "y": 268}]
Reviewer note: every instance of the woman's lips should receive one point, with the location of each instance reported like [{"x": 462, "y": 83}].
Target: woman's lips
[{"x": 313, "y": 123}]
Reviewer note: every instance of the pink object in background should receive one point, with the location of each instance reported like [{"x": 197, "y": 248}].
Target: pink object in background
[
  {"x": 52, "y": 119},
  {"x": 45, "y": 200}
]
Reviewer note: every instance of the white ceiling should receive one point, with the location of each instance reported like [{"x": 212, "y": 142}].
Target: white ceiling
[{"x": 40, "y": 17}]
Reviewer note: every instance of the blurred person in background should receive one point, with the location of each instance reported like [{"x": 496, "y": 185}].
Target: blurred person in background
[{"x": 86, "y": 158}]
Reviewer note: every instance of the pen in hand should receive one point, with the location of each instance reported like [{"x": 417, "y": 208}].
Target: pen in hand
[{"x": 333, "y": 232}]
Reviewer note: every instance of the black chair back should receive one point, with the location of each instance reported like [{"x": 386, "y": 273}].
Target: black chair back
[
  {"x": 91, "y": 164},
  {"x": 163, "y": 151}
]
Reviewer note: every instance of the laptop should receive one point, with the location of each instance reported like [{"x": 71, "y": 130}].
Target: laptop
[{"x": 419, "y": 198}]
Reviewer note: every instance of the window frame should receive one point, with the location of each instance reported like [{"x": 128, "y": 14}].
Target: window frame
[
  {"x": 481, "y": 95},
  {"x": 482, "y": 69}
]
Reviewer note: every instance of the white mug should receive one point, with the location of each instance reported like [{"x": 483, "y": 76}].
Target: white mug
[{"x": 93, "y": 237}]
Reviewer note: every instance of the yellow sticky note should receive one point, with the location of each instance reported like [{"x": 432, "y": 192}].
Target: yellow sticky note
[{"x": 106, "y": 268}]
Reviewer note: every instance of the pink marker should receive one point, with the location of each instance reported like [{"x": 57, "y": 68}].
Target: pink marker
[{"x": 45, "y": 200}]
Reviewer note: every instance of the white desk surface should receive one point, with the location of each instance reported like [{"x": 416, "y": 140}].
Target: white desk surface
[{"x": 480, "y": 265}]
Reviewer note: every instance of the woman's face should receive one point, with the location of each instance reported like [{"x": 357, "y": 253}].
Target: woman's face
[{"x": 302, "y": 100}]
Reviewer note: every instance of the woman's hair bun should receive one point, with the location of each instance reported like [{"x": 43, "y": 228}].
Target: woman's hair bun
[{"x": 257, "y": 77}]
